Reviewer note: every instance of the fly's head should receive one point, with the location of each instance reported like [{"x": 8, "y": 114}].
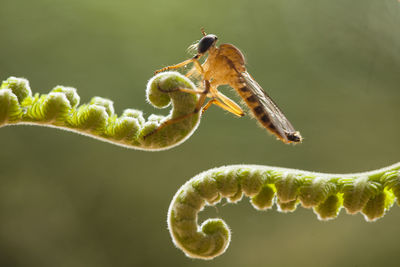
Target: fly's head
[{"x": 206, "y": 43}]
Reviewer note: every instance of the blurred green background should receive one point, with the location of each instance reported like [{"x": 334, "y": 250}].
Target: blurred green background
[{"x": 68, "y": 200}]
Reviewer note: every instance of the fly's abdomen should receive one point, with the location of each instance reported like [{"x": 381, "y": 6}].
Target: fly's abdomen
[{"x": 256, "y": 108}]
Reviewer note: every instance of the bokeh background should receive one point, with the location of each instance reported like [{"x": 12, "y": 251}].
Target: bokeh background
[{"x": 68, "y": 200}]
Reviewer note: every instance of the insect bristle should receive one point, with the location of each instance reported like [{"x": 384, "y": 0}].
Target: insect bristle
[{"x": 192, "y": 49}]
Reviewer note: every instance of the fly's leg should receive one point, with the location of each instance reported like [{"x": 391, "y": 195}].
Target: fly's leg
[
  {"x": 207, "y": 105},
  {"x": 228, "y": 104},
  {"x": 222, "y": 105},
  {"x": 223, "y": 101},
  {"x": 203, "y": 95},
  {"x": 168, "y": 122},
  {"x": 185, "y": 90},
  {"x": 175, "y": 120},
  {"x": 173, "y": 67},
  {"x": 193, "y": 60},
  {"x": 191, "y": 72}
]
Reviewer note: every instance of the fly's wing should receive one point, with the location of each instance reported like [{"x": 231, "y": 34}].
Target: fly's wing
[{"x": 281, "y": 123}]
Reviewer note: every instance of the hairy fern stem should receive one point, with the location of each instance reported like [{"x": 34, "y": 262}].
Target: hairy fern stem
[
  {"x": 371, "y": 193},
  {"x": 60, "y": 109}
]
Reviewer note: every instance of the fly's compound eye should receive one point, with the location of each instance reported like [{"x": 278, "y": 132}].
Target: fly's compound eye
[{"x": 206, "y": 42}]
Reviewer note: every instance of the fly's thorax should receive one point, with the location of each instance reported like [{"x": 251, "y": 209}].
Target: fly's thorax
[
  {"x": 212, "y": 51},
  {"x": 220, "y": 72},
  {"x": 232, "y": 57},
  {"x": 224, "y": 64},
  {"x": 209, "y": 65}
]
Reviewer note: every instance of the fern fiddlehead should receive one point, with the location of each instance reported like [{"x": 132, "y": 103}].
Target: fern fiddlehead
[
  {"x": 371, "y": 193},
  {"x": 60, "y": 109}
]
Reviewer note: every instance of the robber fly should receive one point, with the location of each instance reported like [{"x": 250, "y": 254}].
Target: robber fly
[{"x": 226, "y": 65}]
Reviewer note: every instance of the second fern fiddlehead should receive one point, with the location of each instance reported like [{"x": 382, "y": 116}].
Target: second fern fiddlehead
[
  {"x": 60, "y": 109},
  {"x": 370, "y": 193}
]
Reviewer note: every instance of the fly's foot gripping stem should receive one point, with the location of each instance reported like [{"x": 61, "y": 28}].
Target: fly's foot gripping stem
[
  {"x": 97, "y": 119},
  {"x": 371, "y": 193}
]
